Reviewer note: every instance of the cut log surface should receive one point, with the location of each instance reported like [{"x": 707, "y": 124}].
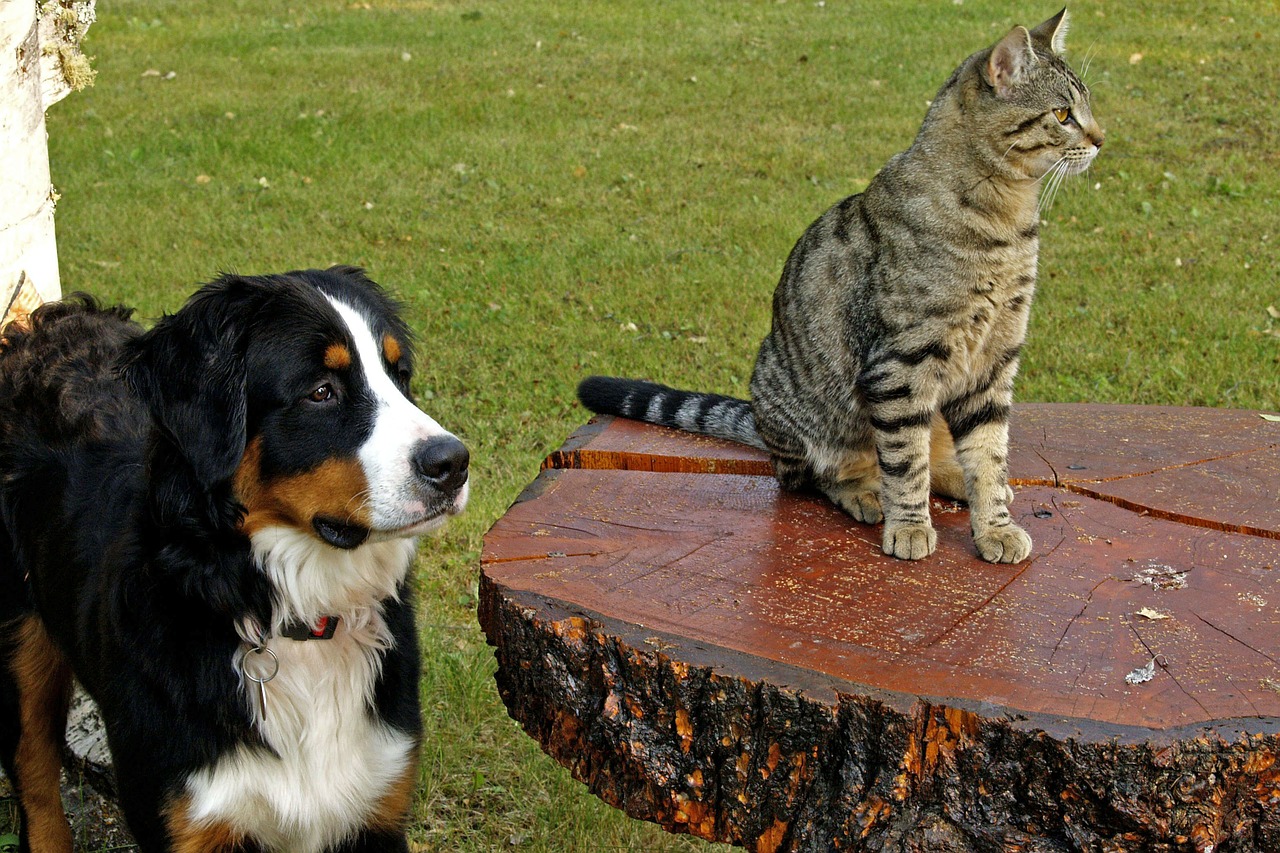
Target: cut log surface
[{"x": 727, "y": 659}]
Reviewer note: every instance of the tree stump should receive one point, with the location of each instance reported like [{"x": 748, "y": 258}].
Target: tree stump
[{"x": 725, "y": 659}]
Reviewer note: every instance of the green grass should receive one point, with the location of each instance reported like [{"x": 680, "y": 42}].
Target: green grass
[{"x": 558, "y": 189}]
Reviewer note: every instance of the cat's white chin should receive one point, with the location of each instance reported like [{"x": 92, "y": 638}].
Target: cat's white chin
[
  {"x": 1076, "y": 165},
  {"x": 1072, "y": 163}
]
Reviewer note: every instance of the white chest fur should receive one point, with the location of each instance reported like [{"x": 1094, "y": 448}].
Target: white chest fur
[{"x": 330, "y": 760}]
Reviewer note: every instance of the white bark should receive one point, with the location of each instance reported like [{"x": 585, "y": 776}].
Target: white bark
[
  {"x": 89, "y": 754},
  {"x": 40, "y": 63}
]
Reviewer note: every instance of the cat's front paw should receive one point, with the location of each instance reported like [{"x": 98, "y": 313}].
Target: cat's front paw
[
  {"x": 1009, "y": 544},
  {"x": 910, "y": 541}
]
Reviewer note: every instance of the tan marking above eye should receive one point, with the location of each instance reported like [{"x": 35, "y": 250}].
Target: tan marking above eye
[
  {"x": 391, "y": 349},
  {"x": 1062, "y": 114},
  {"x": 337, "y": 357}
]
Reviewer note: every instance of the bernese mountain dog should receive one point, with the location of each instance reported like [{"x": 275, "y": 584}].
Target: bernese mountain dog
[{"x": 210, "y": 524}]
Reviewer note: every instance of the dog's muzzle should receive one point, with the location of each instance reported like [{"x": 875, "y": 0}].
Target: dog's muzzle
[{"x": 441, "y": 464}]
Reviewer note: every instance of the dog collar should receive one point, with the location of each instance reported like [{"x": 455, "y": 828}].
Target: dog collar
[{"x": 321, "y": 630}]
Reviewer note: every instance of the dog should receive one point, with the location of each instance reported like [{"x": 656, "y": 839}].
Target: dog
[{"x": 211, "y": 524}]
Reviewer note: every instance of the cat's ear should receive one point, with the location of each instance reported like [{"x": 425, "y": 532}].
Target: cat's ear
[
  {"x": 1011, "y": 61},
  {"x": 1052, "y": 34}
]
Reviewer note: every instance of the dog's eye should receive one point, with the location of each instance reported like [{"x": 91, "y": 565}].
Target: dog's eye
[{"x": 322, "y": 394}]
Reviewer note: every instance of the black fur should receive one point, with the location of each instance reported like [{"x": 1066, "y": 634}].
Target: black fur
[
  {"x": 120, "y": 528},
  {"x": 709, "y": 414}
]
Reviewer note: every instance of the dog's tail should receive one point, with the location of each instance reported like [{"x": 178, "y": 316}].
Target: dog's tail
[{"x": 692, "y": 411}]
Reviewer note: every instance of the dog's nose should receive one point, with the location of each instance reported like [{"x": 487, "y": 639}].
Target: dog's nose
[{"x": 442, "y": 462}]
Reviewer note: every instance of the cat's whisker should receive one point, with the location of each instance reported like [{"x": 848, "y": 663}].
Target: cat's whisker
[
  {"x": 1057, "y": 187},
  {"x": 1067, "y": 172},
  {"x": 1005, "y": 157},
  {"x": 1049, "y": 172},
  {"x": 1058, "y": 181},
  {"x": 1052, "y": 182},
  {"x": 1088, "y": 60}
]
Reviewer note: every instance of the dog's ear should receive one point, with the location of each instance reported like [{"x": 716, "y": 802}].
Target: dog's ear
[{"x": 189, "y": 369}]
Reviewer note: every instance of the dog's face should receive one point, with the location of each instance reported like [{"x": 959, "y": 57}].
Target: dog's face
[
  {"x": 295, "y": 389},
  {"x": 335, "y": 446}
]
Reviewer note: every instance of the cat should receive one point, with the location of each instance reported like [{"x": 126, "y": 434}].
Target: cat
[{"x": 901, "y": 312}]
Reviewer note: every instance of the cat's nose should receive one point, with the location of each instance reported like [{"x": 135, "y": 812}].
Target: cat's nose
[{"x": 1096, "y": 139}]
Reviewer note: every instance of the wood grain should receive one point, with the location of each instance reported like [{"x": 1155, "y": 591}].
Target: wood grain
[{"x": 741, "y": 663}]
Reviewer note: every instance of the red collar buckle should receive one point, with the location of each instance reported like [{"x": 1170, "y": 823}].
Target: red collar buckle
[{"x": 322, "y": 630}]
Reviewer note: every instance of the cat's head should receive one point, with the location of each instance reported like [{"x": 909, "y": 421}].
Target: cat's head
[{"x": 1033, "y": 108}]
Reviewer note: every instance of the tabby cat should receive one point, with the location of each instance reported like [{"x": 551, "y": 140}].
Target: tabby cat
[{"x": 901, "y": 312}]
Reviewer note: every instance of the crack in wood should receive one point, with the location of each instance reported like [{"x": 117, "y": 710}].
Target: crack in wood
[
  {"x": 1167, "y": 666},
  {"x": 545, "y": 555},
  {"x": 1056, "y": 481},
  {"x": 1233, "y": 637},
  {"x": 1062, "y": 638},
  {"x": 969, "y": 614},
  {"x": 1180, "y": 465},
  {"x": 1169, "y": 515}
]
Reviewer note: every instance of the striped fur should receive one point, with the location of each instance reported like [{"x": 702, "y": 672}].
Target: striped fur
[
  {"x": 707, "y": 414},
  {"x": 901, "y": 312}
]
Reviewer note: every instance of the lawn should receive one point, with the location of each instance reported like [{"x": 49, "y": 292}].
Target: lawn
[{"x": 562, "y": 189}]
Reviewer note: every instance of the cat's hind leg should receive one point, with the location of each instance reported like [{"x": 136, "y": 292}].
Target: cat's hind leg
[
  {"x": 850, "y": 480},
  {"x": 946, "y": 477},
  {"x": 855, "y": 486}
]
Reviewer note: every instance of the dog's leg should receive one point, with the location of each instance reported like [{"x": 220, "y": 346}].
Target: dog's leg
[
  {"x": 38, "y": 692},
  {"x": 188, "y": 836},
  {"x": 384, "y": 832}
]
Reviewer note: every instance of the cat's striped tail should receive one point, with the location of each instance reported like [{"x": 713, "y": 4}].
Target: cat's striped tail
[{"x": 707, "y": 414}]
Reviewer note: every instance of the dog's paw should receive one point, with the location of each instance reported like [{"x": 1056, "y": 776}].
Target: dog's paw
[
  {"x": 1009, "y": 544},
  {"x": 910, "y": 541}
]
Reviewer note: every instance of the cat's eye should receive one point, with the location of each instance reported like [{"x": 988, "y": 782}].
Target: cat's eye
[{"x": 1062, "y": 114}]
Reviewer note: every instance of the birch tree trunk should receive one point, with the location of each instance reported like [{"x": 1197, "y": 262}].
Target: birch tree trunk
[{"x": 40, "y": 63}]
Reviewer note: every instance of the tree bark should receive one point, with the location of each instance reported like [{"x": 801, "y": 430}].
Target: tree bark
[
  {"x": 725, "y": 659},
  {"x": 733, "y": 748},
  {"x": 40, "y": 62},
  {"x": 88, "y": 755}
]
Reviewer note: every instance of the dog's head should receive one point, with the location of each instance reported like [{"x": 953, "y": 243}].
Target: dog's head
[{"x": 292, "y": 391}]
